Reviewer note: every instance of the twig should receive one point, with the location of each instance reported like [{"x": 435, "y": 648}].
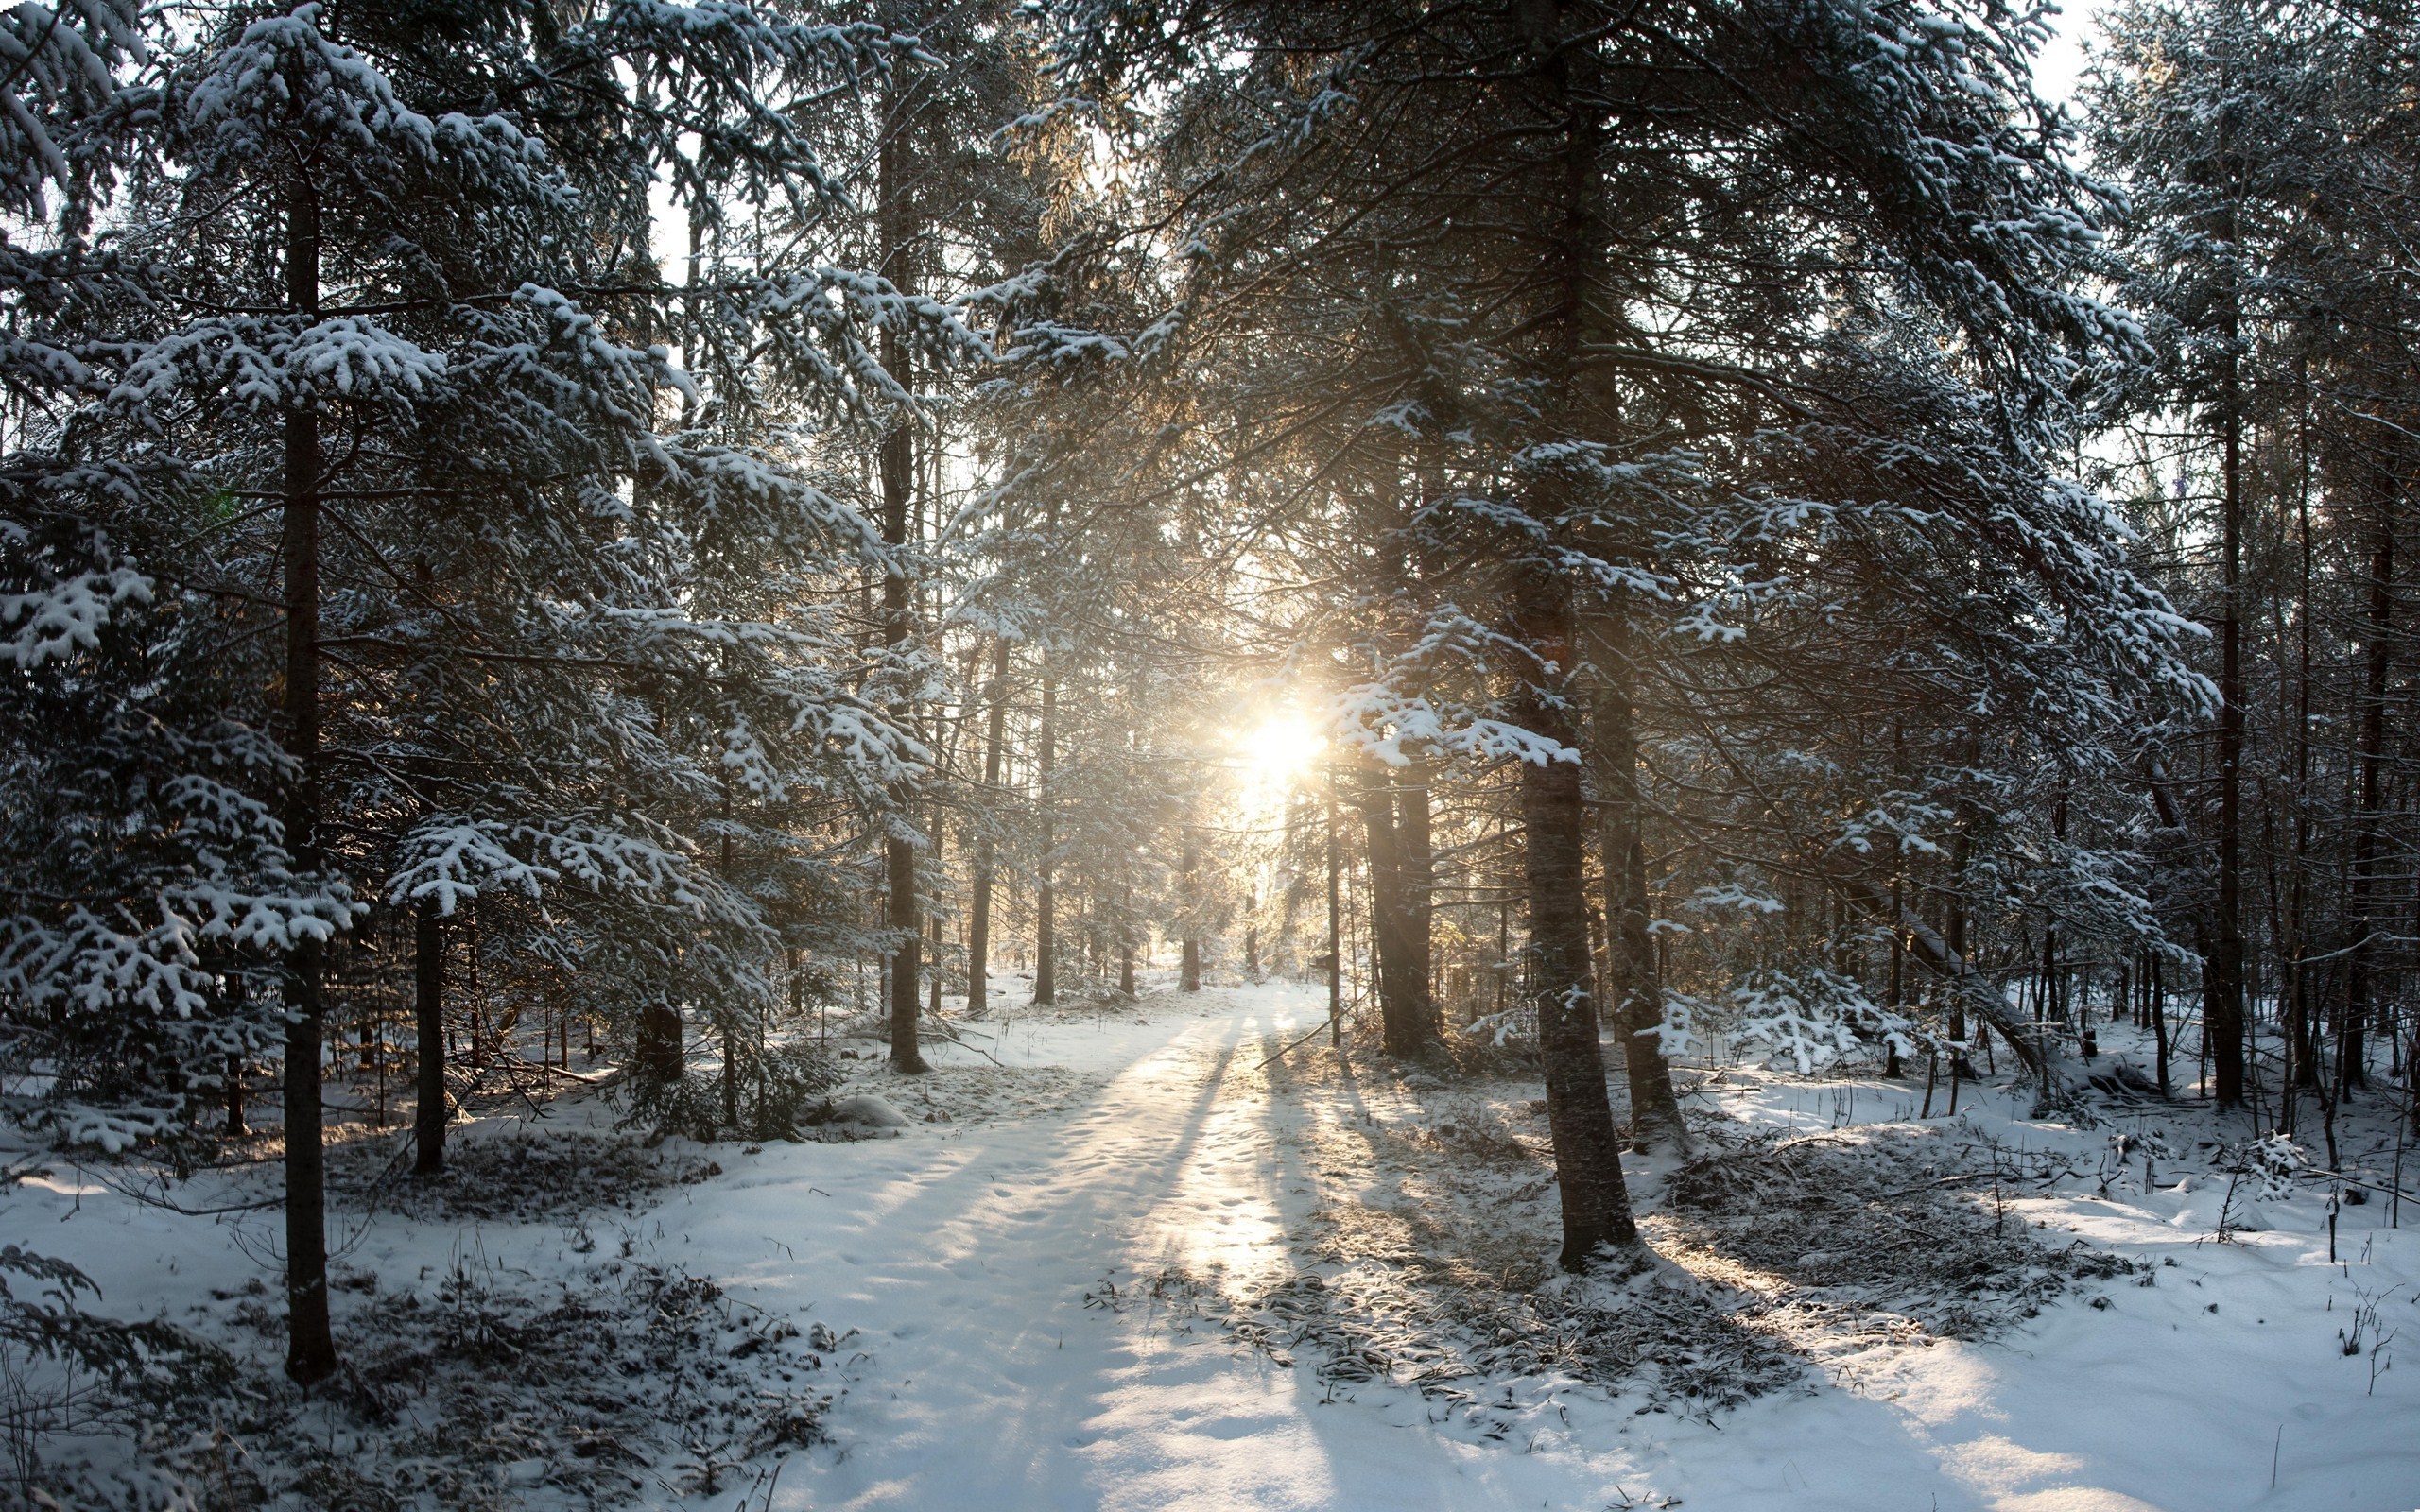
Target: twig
[
  {"x": 951, "y": 1035},
  {"x": 1316, "y": 1031}
]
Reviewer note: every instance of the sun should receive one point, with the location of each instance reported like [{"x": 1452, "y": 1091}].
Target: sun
[{"x": 1281, "y": 749}]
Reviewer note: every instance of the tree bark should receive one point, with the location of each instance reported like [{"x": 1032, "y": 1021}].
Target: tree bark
[
  {"x": 2223, "y": 995},
  {"x": 1189, "y": 966},
  {"x": 428, "y": 1016},
  {"x": 1579, "y": 1115},
  {"x": 1416, "y": 883},
  {"x": 1637, "y": 992},
  {"x": 978, "y": 925},
  {"x": 1045, "y": 963},
  {"x": 1597, "y": 1218},
  {"x": 1335, "y": 928},
  {"x": 656, "y": 1054},
  {"x": 2369, "y": 901},
  {"x": 236, "y": 996},
  {"x": 1373, "y": 797},
  {"x": 310, "y": 1351},
  {"x": 898, "y": 603}
]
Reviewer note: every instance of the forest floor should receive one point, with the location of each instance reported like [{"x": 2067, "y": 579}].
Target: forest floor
[{"x": 1114, "y": 1260}]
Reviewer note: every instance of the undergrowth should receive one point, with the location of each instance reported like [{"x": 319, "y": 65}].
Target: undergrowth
[
  {"x": 627, "y": 1384},
  {"x": 1429, "y": 1266}
]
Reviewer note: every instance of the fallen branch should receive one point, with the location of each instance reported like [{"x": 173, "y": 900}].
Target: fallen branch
[
  {"x": 951, "y": 1035},
  {"x": 1282, "y": 1049}
]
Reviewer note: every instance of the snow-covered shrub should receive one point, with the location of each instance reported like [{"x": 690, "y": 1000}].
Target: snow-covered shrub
[
  {"x": 1812, "y": 1017},
  {"x": 64, "y": 1371},
  {"x": 772, "y": 1091},
  {"x": 2273, "y": 1161}
]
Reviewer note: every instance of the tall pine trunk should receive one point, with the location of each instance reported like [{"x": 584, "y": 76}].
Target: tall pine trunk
[
  {"x": 1373, "y": 796},
  {"x": 310, "y": 1347},
  {"x": 1579, "y": 1116},
  {"x": 428, "y": 1016},
  {"x": 2224, "y": 985},
  {"x": 1046, "y": 943},
  {"x": 2369, "y": 901},
  {"x": 1190, "y": 965},
  {"x": 898, "y": 603},
  {"x": 1636, "y": 991},
  {"x": 978, "y": 923},
  {"x": 1395, "y": 823},
  {"x": 1579, "y": 1113},
  {"x": 1335, "y": 927},
  {"x": 1416, "y": 889}
]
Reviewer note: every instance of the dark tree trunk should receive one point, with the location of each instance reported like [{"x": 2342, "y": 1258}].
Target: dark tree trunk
[
  {"x": 2224, "y": 991},
  {"x": 2159, "y": 1023},
  {"x": 1045, "y": 953},
  {"x": 428, "y": 1017},
  {"x": 1572, "y": 294},
  {"x": 310, "y": 1351},
  {"x": 1579, "y": 1115},
  {"x": 1189, "y": 966},
  {"x": 1416, "y": 882},
  {"x": 1636, "y": 991},
  {"x": 2369, "y": 898},
  {"x": 1335, "y": 928},
  {"x": 898, "y": 601},
  {"x": 1398, "y": 1032},
  {"x": 656, "y": 1053},
  {"x": 978, "y": 925},
  {"x": 236, "y": 996}
]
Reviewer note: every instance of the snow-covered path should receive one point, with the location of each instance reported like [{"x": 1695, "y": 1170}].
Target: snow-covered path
[{"x": 988, "y": 1379}]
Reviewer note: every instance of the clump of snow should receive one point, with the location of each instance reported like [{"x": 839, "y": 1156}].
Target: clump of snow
[{"x": 867, "y": 1109}]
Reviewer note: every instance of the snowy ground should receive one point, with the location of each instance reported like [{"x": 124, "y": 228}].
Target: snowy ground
[{"x": 989, "y": 1257}]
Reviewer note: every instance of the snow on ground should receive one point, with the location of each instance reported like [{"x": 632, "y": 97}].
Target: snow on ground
[{"x": 992, "y": 1257}]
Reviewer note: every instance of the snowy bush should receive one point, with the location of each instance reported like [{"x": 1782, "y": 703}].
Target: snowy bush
[
  {"x": 772, "y": 1092},
  {"x": 1812, "y": 1017},
  {"x": 2273, "y": 1161}
]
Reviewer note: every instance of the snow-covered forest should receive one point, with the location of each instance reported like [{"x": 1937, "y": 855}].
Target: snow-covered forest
[{"x": 1208, "y": 754}]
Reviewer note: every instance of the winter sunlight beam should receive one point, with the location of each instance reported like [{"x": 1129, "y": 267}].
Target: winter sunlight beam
[{"x": 1281, "y": 749}]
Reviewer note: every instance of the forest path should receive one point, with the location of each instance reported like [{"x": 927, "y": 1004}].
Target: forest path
[
  {"x": 993, "y": 1377},
  {"x": 972, "y": 1258}
]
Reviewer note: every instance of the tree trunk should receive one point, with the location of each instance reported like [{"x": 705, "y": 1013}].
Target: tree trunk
[
  {"x": 2224, "y": 999},
  {"x": 978, "y": 925},
  {"x": 1045, "y": 953},
  {"x": 1398, "y": 1025},
  {"x": 236, "y": 996},
  {"x": 898, "y": 603},
  {"x": 1334, "y": 929},
  {"x": 1596, "y": 1201},
  {"x": 429, "y": 1015},
  {"x": 310, "y": 1351},
  {"x": 656, "y": 1053},
  {"x": 1637, "y": 992},
  {"x": 2369, "y": 898},
  {"x": 1189, "y": 966},
  {"x": 1416, "y": 883},
  {"x": 1579, "y": 1115},
  {"x": 1251, "y": 937}
]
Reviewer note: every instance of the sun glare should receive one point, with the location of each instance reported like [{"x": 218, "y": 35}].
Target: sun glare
[{"x": 1281, "y": 749}]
